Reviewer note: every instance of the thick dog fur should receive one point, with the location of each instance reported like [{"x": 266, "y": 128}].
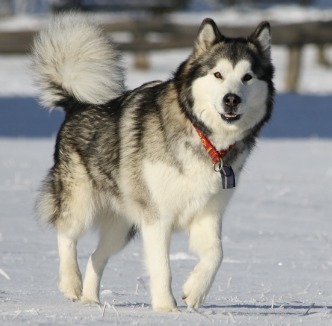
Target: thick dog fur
[{"x": 132, "y": 160}]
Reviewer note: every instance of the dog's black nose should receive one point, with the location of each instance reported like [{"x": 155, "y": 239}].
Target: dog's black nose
[{"x": 231, "y": 100}]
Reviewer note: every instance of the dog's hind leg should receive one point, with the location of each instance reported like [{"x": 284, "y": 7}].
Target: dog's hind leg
[
  {"x": 76, "y": 211},
  {"x": 70, "y": 282},
  {"x": 115, "y": 233}
]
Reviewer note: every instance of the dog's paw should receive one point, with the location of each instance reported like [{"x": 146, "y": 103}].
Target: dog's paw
[
  {"x": 89, "y": 300},
  {"x": 168, "y": 305},
  {"x": 193, "y": 301},
  {"x": 71, "y": 291},
  {"x": 194, "y": 293},
  {"x": 166, "y": 309},
  {"x": 70, "y": 284}
]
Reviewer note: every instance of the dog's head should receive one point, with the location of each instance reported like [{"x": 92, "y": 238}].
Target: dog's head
[{"x": 228, "y": 81}]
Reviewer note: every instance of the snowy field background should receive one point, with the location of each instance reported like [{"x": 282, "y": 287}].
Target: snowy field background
[{"x": 277, "y": 232}]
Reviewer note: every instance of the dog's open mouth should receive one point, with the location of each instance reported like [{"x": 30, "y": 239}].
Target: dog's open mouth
[{"x": 230, "y": 117}]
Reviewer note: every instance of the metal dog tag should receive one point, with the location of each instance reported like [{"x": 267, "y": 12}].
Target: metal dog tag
[{"x": 227, "y": 177}]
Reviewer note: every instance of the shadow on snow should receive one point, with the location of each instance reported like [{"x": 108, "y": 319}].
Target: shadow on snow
[{"x": 277, "y": 309}]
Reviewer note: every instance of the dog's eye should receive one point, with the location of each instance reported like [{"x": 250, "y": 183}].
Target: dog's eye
[
  {"x": 246, "y": 77},
  {"x": 218, "y": 75}
]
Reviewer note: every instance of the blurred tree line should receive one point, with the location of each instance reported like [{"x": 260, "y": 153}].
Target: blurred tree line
[{"x": 12, "y": 7}]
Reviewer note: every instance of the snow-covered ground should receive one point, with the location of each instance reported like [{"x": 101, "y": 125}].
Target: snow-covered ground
[
  {"x": 277, "y": 238},
  {"x": 277, "y": 232}
]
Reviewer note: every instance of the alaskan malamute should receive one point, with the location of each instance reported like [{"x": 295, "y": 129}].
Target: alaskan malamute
[{"x": 165, "y": 156}]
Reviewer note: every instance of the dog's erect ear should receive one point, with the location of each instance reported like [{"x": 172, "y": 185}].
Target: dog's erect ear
[
  {"x": 208, "y": 35},
  {"x": 262, "y": 35}
]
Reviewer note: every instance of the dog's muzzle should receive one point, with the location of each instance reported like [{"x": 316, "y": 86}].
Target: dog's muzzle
[{"x": 231, "y": 104}]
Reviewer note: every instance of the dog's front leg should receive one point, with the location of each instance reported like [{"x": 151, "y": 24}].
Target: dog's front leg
[
  {"x": 156, "y": 238},
  {"x": 204, "y": 240}
]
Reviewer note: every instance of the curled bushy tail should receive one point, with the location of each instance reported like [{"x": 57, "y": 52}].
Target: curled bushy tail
[{"x": 74, "y": 60}]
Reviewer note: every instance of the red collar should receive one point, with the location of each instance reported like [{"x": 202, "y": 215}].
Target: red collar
[{"x": 211, "y": 150}]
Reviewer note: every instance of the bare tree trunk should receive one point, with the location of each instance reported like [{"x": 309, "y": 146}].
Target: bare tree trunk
[
  {"x": 293, "y": 71},
  {"x": 141, "y": 60},
  {"x": 321, "y": 56}
]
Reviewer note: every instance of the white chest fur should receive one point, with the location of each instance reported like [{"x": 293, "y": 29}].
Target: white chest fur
[{"x": 180, "y": 196}]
